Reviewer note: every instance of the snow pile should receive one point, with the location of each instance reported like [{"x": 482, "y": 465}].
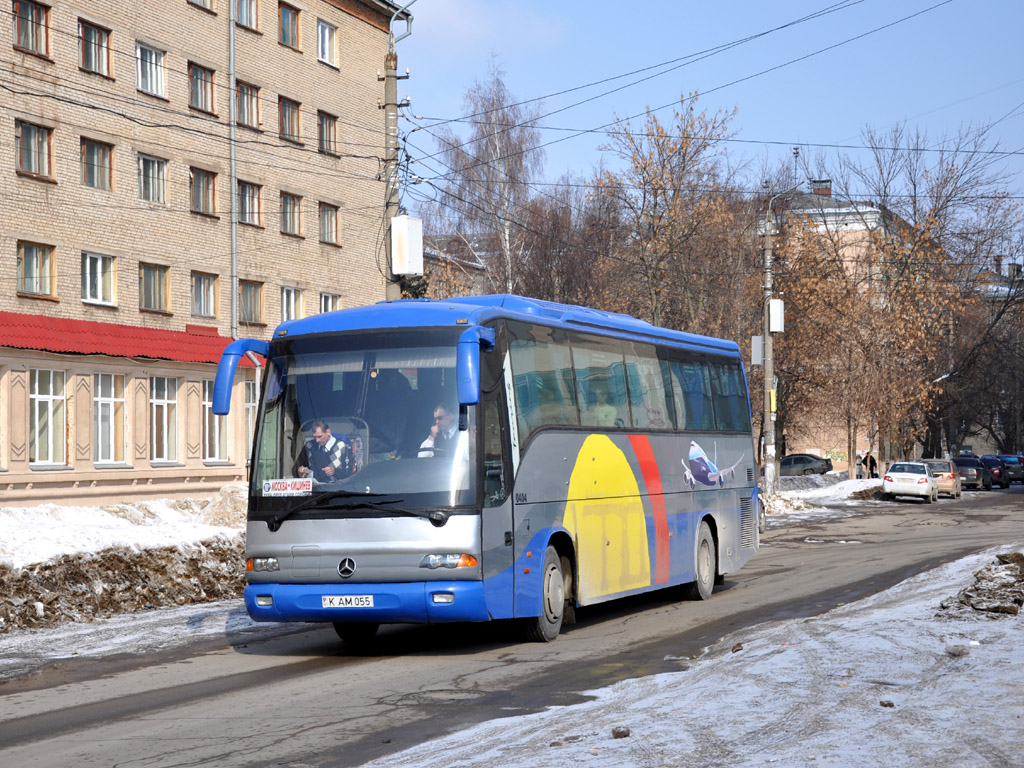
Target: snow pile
[{"x": 81, "y": 563}]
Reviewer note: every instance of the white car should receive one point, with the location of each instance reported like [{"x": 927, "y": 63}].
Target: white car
[{"x": 910, "y": 478}]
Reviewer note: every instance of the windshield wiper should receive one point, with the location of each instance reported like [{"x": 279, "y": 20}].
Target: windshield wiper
[{"x": 324, "y": 499}]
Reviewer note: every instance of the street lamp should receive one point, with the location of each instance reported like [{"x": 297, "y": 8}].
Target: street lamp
[{"x": 770, "y": 466}]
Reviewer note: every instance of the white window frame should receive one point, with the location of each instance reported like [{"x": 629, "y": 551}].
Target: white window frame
[
  {"x": 110, "y": 438},
  {"x": 327, "y": 42},
  {"x": 204, "y": 294},
  {"x": 328, "y": 223},
  {"x": 98, "y": 278},
  {"x": 101, "y": 172},
  {"x": 163, "y": 411},
  {"x": 35, "y": 269},
  {"x": 151, "y": 75},
  {"x": 252, "y": 401},
  {"x": 291, "y": 303},
  {"x": 250, "y": 208},
  {"x": 162, "y": 292},
  {"x": 34, "y": 149},
  {"x": 47, "y": 418},
  {"x": 93, "y": 48},
  {"x": 329, "y": 302},
  {"x": 152, "y": 179},
  {"x": 291, "y": 214},
  {"x": 215, "y": 428}
]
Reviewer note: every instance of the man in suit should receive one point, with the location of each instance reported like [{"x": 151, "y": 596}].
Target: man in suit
[{"x": 441, "y": 439}]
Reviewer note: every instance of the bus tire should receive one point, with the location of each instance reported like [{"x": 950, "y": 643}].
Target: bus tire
[
  {"x": 354, "y": 632},
  {"x": 546, "y": 627},
  {"x": 702, "y": 587}
]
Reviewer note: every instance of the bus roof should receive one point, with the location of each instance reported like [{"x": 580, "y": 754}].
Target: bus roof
[{"x": 478, "y": 310}]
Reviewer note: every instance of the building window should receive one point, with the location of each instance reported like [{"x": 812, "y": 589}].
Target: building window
[
  {"x": 153, "y": 287},
  {"x": 250, "y": 301},
  {"x": 291, "y": 304},
  {"x": 329, "y": 302},
  {"x": 327, "y": 133},
  {"x": 249, "y": 203},
  {"x": 291, "y": 214},
  {"x": 150, "y": 67},
  {"x": 247, "y": 105},
  {"x": 202, "y": 191},
  {"x": 109, "y": 418},
  {"x": 97, "y": 278},
  {"x": 247, "y": 13},
  {"x": 35, "y": 269},
  {"x": 31, "y": 26},
  {"x": 33, "y": 148},
  {"x": 97, "y": 163},
  {"x": 94, "y": 48},
  {"x": 204, "y": 294},
  {"x": 200, "y": 88},
  {"x": 326, "y": 49},
  {"x": 252, "y": 391},
  {"x": 289, "y": 17},
  {"x": 328, "y": 223},
  {"x": 163, "y": 410},
  {"x": 289, "y": 119},
  {"x": 152, "y": 179},
  {"x": 47, "y": 440},
  {"x": 207, "y": 4},
  {"x": 215, "y": 428}
]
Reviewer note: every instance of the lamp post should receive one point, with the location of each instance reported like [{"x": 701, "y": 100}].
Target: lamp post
[{"x": 770, "y": 465}]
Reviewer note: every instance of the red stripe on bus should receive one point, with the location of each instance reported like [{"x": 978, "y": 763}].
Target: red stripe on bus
[{"x": 652, "y": 479}]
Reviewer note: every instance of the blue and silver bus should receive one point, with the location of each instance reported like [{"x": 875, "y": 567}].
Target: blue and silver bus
[{"x": 589, "y": 456}]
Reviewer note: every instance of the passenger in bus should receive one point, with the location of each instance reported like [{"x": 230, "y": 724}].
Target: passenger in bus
[
  {"x": 324, "y": 457},
  {"x": 606, "y": 414},
  {"x": 442, "y": 435}
]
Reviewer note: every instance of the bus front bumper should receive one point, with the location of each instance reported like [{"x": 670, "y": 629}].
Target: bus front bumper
[{"x": 414, "y": 603}]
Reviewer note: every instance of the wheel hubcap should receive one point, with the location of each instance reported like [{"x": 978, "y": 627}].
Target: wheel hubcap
[{"x": 554, "y": 594}]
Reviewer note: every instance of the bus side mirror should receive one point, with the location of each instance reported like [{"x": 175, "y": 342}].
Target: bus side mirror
[
  {"x": 229, "y": 359},
  {"x": 467, "y": 362}
]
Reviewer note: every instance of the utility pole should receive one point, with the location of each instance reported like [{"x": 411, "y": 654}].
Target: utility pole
[
  {"x": 393, "y": 288},
  {"x": 770, "y": 460}
]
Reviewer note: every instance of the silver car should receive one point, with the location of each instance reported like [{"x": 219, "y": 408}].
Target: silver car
[{"x": 910, "y": 478}]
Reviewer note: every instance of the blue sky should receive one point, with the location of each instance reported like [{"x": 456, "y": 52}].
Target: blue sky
[{"x": 957, "y": 62}]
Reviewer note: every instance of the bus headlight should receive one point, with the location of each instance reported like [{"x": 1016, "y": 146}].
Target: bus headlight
[
  {"x": 262, "y": 564},
  {"x": 447, "y": 561}
]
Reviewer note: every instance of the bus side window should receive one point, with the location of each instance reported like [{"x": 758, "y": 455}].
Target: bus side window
[
  {"x": 495, "y": 485},
  {"x": 647, "y": 396}
]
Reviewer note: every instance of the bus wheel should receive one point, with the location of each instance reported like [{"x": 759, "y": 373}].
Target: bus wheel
[
  {"x": 355, "y": 633},
  {"x": 545, "y": 628},
  {"x": 701, "y": 588}
]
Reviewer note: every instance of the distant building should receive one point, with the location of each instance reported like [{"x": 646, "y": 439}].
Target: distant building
[{"x": 119, "y": 256}]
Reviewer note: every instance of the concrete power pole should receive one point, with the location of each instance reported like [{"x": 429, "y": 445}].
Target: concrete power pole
[{"x": 393, "y": 289}]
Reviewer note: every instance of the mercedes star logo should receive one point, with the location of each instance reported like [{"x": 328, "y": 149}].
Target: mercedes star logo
[{"x": 346, "y": 567}]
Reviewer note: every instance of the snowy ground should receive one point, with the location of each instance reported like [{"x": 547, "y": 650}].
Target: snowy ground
[{"x": 909, "y": 677}]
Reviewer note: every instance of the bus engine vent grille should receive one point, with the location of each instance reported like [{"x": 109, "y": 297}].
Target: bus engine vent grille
[
  {"x": 750, "y": 475},
  {"x": 748, "y": 523}
]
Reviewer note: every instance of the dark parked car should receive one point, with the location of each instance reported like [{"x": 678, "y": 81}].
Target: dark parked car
[
  {"x": 998, "y": 470},
  {"x": 1014, "y": 467},
  {"x": 804, "y": 464},
  {"x": 973, "y": 474}
]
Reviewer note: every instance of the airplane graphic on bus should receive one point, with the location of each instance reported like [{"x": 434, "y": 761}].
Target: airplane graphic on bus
[{"x": 699, "y": 468}]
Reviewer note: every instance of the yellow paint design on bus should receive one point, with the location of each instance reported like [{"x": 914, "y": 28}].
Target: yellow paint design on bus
[{"x": 606, "y": 517}]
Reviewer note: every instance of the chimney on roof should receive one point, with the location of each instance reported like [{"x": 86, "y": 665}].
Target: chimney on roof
[
  {"x": 998, "y": 261},
  {"x": 822, "y": 187},
  {"x": 1013, "y": 270}
]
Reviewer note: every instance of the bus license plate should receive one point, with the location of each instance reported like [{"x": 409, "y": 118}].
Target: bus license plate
[{"x": 347, "y": 601}]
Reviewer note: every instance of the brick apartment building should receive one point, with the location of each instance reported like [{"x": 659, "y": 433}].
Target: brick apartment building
[{"x": 119, "y": 252}]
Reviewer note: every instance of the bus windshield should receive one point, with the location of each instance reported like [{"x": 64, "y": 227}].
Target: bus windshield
[{"x": 368, "y": 419}]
